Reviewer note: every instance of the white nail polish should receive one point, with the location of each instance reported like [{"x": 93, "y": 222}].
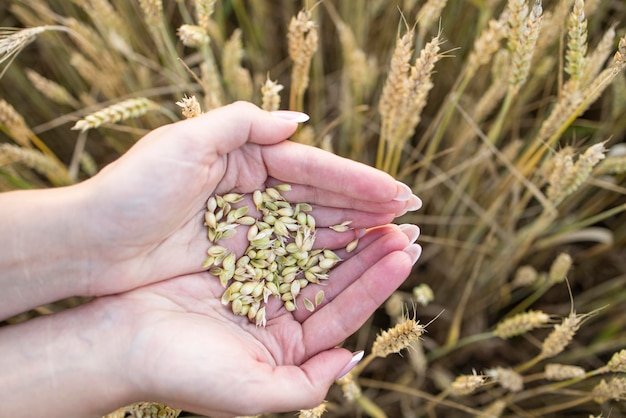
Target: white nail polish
[
  {"x": 291, "y": 115},
  {"x": 403, "y": 192},
  {"x": 356, "y": 357}
]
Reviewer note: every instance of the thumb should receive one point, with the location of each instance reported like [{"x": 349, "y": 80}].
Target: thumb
[
  {"x": 227, "y": 128},
  {"x": 306, "y": 386}
]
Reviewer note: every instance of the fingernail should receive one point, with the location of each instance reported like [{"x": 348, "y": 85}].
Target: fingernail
[
  {"x": 356, "y": 357},
  {"x": 414, "y": 203},
  {"x": 411, "y": 231},
  {"x": 414, "y": 251},
  {"x": 291, "y": 115},
  {"x": 403, "y": 192}
]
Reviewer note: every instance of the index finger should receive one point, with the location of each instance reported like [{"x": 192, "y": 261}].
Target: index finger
[{"x": 297, "y": 163}]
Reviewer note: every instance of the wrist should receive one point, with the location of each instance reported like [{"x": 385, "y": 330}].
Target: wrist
[
  {"x": 66, "y": 364},
  {"x": 44, "y": 255}
]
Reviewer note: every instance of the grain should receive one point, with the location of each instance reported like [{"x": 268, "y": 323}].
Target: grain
[{"x": 280, "y": 260}]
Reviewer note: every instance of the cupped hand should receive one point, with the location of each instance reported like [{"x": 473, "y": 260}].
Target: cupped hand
[
  {"x": 183, "y": 348},
  {"x": 146, "y": 208}
]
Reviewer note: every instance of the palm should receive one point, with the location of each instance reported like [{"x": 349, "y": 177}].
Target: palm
[
  {"x": 182, "y": 320},
  {"x": 150, "y": 203}
]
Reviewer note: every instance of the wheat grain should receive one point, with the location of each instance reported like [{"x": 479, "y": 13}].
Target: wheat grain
[
  {"x": 563, "y": 371},
  {"x": 520, "y": 324},
  {"x": 279, "y": 261},
  {"x": 124, "y": 110}
]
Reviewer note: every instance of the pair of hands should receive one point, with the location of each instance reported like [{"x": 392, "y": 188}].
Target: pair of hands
[{"x": 157, "y": 329}]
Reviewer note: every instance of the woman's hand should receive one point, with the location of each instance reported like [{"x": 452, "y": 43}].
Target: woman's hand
[
  {"x": 148, "y": 206},
  {"x": 174, "y": 342}
]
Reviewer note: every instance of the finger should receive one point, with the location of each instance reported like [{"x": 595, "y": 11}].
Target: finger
[
  {"x": 348, "y": 310},
  {"x": 300, "y": 164},
  {"x": 323, "y": 197},
  {"x": 294, "y": 388},
  {"x": 223, "y": 130}
]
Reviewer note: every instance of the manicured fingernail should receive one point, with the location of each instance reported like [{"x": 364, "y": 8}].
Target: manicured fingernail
[
  {"x": 356, "y": 357},
  {"x": 414, "y": 203},
  {"x": 403, "y": 192},
  {"x": 414, "y": 251},
  {"x": 291, "y": 115},
  {"x": 411, "y": 231}
]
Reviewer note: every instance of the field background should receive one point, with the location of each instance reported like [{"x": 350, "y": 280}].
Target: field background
[{"x": 510, "y": 129}]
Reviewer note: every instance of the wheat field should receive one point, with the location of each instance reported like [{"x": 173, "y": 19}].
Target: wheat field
[{"x": 506, "y": 117}]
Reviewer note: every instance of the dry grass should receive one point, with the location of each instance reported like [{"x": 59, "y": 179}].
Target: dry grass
[{"x": 506, "y": 117}]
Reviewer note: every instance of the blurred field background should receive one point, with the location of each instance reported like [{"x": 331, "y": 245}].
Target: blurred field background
[{"x": 506, "y": 117}]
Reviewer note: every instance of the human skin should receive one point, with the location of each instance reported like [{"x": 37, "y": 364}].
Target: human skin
[{"x": 132, "y": 237}]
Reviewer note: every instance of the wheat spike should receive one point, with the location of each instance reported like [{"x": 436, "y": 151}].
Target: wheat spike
[
  {"x": 14, "y": 124},
  {"x": 563, "y": 371},
  {"x": 152, "y": 11},
  {"x": 270, "y": 92},
  {"x": 615, "y": 389},
  {"x": 486, "y": 45},
  {"x": 524, "y": 41},
  {"x": 525, "y": 276},
  {"x": 124, "y": 110},
  {"x": 237, "y": 79},
  {"x": 302, "y": 40},
  {"x": 507, "y": 378},
  {"x": 193, "y": 36},
  {"x": 466, "y": 384},
  {"x": 520, "y": 324},
  {"x": 428, "y": 14},
  {"x": 567, "y": 176},
  {"x": 397, "y": 338},
  {"x": 561, "y": 336},
  {"x": 559, "y": 268},
  {"x": 190, "y": 107},
  {"x": 52, "y": 90},
  {"x": 36, "y": 160},
  {"x": 576, "y": 47},
  {"x": 316, "y": 412},
  {"x": 617, "y": 364},
  {"x": 597, "y": 58},
  {"x": 204, "y": 11}
]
